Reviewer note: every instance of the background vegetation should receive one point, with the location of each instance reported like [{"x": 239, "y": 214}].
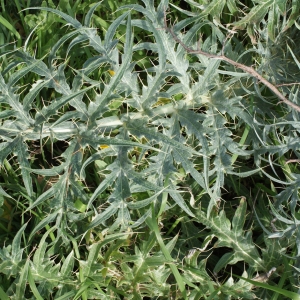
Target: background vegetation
[{"x": 131, "y": 169}]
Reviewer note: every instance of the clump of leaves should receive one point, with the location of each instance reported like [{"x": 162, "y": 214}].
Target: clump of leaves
[{"x": 126, "y": 177}]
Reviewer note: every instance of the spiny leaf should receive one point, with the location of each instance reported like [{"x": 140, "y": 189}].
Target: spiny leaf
[
  {"x": 255, "y": 15},
  {"x": 234, "y": 238}
]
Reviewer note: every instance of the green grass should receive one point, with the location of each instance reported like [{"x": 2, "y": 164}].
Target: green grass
[{"x": 131, "y": 169}]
